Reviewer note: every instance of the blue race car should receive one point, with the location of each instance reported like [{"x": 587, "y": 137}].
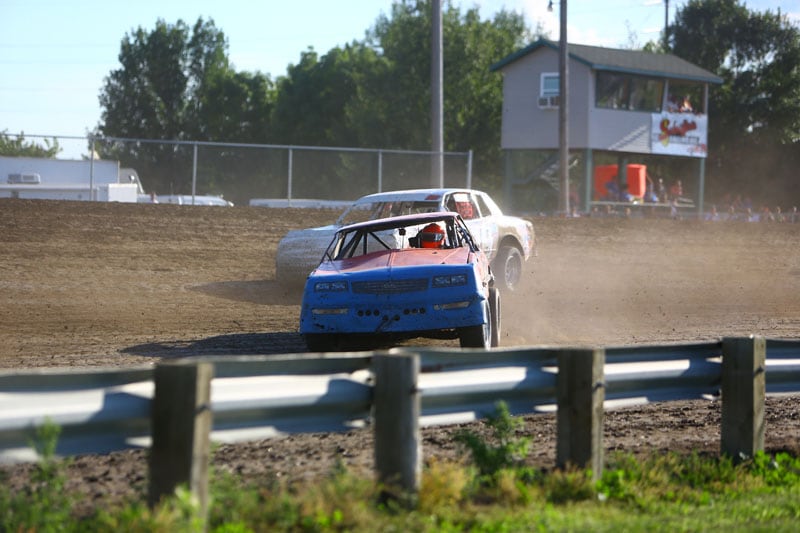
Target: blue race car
[{"x": 391, "y": 279}]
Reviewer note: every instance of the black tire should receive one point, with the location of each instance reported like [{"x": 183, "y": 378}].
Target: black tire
[
  {"x": 494, "y": 310},
  {"x": 507, "y": 266},
  {"x": 322, "y": 342},
  {"x": 477, "y": 336}
]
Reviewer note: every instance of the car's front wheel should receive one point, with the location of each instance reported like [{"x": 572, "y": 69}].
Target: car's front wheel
[
  {"x": 479, "y": 336},
  {"x": 508, "y": 266},
  {"x": 494, "y": 310},
  {"x": 322, "y": 342}
]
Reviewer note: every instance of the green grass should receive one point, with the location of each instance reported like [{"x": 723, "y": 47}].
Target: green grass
[{"x": 489, "y": 489}]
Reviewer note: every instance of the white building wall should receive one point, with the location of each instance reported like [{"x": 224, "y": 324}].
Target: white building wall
[{"x": 527, "y": 126}]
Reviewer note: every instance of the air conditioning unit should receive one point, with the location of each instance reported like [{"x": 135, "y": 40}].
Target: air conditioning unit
[
  {"x": 548, "y": 102},
  {"x": 26, "y": 179}
]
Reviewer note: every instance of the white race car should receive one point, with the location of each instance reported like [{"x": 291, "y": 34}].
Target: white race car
[{"x": 507, "y": 241}]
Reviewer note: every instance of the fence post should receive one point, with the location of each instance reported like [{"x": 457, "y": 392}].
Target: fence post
[
  {"x": 580, "y": 392},
  {"x": 398, "y": 457},
  {"x": 743, "y": 392},
  {"x": 182, "y": 421}
]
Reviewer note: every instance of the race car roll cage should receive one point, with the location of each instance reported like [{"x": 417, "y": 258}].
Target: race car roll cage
[{"x": 349, "y": 240}]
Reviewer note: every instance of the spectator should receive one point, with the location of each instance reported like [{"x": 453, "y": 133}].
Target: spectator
[
  {"x": 676, "y": 191},
  {"x": 779, "y": 215},
  {"x": 662, "y": 191},
  {"x": 673, "y": 209},
  {"x": 574, "y": 197},
  {"x": 673, "y": 104},
  {"x": 649, "y": 192},
  {"x": 713, "y": 214},
  {"x": 793, "y": 217},
  {"x": 612, "y": 190}
]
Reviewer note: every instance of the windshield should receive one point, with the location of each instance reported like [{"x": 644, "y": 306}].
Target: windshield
[
  {"x": 371, "y": 238},
  {"x": 375, "y": 210}
]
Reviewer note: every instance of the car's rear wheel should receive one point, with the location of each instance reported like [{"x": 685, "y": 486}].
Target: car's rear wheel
[
  {"x": 494, "y": 310},
  {"x": 478, "y": 336},
  {"x": 508, "y": 267}
]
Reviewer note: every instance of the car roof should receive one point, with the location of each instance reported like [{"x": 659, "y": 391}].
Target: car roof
[
  {"x": 401, "y": 221},
  {"x": 419, "y": 195}
]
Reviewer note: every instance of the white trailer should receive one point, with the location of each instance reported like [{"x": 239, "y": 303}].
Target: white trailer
[{"x": 68, "y": 179}]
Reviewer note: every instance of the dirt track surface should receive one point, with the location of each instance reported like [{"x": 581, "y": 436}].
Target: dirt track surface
[{"x": 124, "y": 285}]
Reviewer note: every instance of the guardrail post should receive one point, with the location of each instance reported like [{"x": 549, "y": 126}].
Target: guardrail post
[
  {"x": 743, "y": 392},
  {"x": 398, "y": 453},
  {"x": 580, "y": 392},
  {"x": 182, "y": 421}
]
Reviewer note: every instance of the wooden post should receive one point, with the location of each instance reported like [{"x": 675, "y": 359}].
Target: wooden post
[
  {"x": 182, "y": 421},
  {"x": 743, "y": 392},
  {"x": 398, "y": 449},
  {"x": 580, "y": 392}
]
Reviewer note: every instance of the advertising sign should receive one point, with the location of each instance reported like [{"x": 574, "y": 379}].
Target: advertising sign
[{"x": 684, "y": 134}]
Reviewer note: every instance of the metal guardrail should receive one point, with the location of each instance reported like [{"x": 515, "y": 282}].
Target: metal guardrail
[{"x": 254, "y": 397}]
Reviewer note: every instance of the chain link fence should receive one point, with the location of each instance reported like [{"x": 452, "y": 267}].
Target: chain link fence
[{"x": 244, "y": 172}]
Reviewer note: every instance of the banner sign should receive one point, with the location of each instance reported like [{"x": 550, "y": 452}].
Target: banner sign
[{"x": 683, "y": 134}]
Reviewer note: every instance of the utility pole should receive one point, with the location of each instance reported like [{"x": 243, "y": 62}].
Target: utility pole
[
  {"x": 563, "y": 112},
  {"x": 437, "y": 96}
]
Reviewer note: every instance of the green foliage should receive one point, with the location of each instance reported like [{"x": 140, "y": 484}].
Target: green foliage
[
  {"x": 782, "y": 470},
  {"x": 503, "y": 450},
  {"x": 443, "y": 485},
  {"x": 754, "y": 115},
  {"x": 179, "y": 514},
  {"x": 399, "y": 98},
  {"x": 175, "y": 83},
  {"x": 664, "y": 492},
  {"x": 570, "y": 485},
  {"x": 44, "y": 504},
  {"x": 17, "y": 146}
]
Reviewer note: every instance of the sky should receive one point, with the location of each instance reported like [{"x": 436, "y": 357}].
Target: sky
[{"x": 55, "y": 54}]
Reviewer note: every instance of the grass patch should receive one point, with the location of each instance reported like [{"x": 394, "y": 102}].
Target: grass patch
[{"x": 488, "y": 489}]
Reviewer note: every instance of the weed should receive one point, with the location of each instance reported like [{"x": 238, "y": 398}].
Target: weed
[
  {"x": 783, "y": 470},
  {"x": 569, "y": 485},
  {"x": 506, "y": 450},
  {"x": 44, "y": 505},
  {"x": 443, "y": 485}
]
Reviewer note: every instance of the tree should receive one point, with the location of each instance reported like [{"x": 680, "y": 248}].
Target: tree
[
  {"x": 160, "y": 92},
  {"x": 314, "y": 97},
  {"x": 234, "y": 107},
  {"x": 754, "y": 117},
  {"x": 376, "y": 93},
  {"x": 176, "y": 84},
  {"x": 473, "y": 95},
  {"x": 16, "y": 146}
]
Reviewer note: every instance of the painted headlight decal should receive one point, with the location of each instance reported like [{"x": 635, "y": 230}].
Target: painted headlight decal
[
  {"x": 451, "y": 280},
  {"x": 453, "y": 305},
  {"x": 334, "y": 311},
  {"x": 330, "y": 286}
]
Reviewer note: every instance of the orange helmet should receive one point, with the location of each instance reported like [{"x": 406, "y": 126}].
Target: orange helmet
[{"x": 431, "y": 236}]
